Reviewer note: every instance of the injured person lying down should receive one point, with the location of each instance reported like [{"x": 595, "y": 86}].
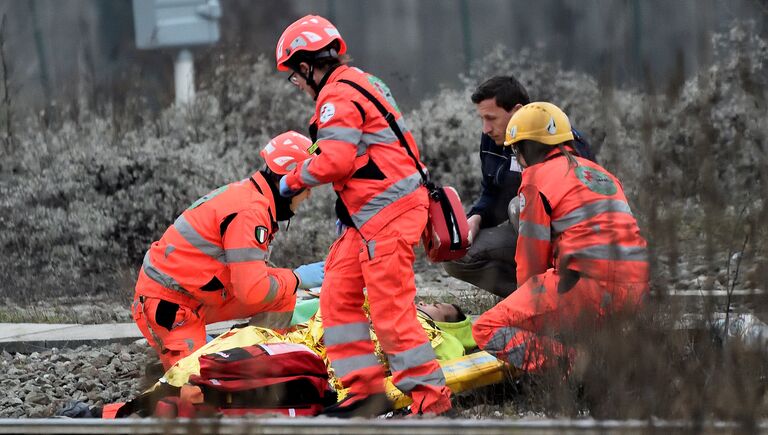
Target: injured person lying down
[
  {"x": 228, "y": 376},
  {"x": 448, "y": 329}
]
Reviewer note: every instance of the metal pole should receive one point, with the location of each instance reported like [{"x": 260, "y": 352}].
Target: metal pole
[
  {"x": 466, "y": 32},
  {"x": 37, "y": 34},
  {"x": 184, "y": 77}
]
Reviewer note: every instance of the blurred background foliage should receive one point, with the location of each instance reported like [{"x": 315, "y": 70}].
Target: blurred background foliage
[
  {"x": 82, "y": 200},
  {"x": 96, "y": 166}
]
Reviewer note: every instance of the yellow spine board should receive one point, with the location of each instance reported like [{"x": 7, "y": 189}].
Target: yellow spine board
[{"x": 461, "y": 374}]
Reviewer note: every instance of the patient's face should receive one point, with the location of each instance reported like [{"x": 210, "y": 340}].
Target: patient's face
[{"x": 440, "y": 311}]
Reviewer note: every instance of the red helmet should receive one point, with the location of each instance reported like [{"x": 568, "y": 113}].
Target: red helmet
[
  {"x": 311, "y": 33},
  {"x": 283, "y": 153}
]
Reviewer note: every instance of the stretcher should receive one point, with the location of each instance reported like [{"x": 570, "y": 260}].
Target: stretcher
[{"x": 461, "y": 374}]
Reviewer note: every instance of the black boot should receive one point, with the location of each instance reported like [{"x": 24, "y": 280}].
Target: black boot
[
  {"x": 355, "y": 405},
  {"x": 78, "y": 409}
]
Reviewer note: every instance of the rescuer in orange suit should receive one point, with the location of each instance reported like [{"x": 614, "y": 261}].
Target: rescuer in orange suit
[
  {"x": 579, "y": 254},
  {"x": 210, "y": 265},
  {"x": 382, "y": 211}
]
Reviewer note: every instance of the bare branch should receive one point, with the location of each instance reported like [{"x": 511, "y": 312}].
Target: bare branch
[{"x": 6, "y": 89}]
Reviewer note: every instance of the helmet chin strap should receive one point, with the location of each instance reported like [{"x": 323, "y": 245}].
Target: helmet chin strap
[{"x": 310, "y": 79}]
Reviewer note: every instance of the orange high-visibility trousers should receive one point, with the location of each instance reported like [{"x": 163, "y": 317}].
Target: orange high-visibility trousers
[
  {"x": 172, "y": 329},
  {"x": 518, "y": 330},
  {"x": 384, "y": 266},
  {"x": 175, "y": 330}
]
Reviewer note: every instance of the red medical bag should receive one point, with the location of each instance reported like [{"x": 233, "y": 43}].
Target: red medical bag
[{"x": 446, "y": 236}]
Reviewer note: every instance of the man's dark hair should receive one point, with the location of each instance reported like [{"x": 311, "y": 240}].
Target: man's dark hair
[
  {"x": 507, "y": 91},
  {"x": 459, "y": 314}
]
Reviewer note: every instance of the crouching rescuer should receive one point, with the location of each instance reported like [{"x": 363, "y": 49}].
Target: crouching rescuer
[
  {"x": 579, "y": 255},
  {"x": 383, "y": 208},
  {"x": 210, "y": 265}
]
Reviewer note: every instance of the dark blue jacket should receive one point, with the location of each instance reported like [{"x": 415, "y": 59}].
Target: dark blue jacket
[{"x": 502, "y": 177}]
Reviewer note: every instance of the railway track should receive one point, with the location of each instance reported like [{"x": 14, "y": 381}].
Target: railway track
[{"x": 326, "y": 426}]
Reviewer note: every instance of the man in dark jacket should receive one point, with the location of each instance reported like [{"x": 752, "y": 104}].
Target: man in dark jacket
[{"x": 490, "y": 261}]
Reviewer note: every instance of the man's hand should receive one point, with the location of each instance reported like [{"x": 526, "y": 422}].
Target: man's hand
[
  {"x": 474, "y": 226},
  {"x": 310, "y": 275}
]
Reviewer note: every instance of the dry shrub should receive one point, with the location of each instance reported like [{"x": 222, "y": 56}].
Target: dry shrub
[
  {"x": 645, "y": 366},
  {"x": 648, "y": 366},
  {"x": 86, "y": 199}
]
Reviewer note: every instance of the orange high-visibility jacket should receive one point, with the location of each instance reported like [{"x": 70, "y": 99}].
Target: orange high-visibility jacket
[
  {"x": 217, "y": 249},
  {"x": 577, "y": 218},
  {"x": 360, "y": 154}
]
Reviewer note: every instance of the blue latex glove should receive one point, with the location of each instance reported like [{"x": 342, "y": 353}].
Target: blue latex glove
[
  {"x": 310, "y": 275},
  {"x": 340, "y": 227},
  {"x": 286, "y": 191}
]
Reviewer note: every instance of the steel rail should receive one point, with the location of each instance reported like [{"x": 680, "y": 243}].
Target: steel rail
[{"x": 328, "y": 426}]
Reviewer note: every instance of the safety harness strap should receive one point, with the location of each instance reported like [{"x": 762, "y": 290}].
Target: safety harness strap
[{"x": 392, "y": 124}]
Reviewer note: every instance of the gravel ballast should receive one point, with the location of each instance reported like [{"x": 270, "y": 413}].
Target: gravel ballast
[{"x": 35, "y": 385}]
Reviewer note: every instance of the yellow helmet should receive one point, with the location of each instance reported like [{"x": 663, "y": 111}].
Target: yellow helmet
[{"x": 540, "y": 121}]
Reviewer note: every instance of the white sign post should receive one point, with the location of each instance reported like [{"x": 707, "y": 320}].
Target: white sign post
[
  {"x": 184, "y": 77},
  {"x": 178, "y": 24}
]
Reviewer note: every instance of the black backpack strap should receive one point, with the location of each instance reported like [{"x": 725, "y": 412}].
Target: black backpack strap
[{"x": 392, "y": 124}]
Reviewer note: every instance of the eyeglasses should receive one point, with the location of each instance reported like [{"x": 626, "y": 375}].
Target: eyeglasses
[{"x": 293, "y": 79}]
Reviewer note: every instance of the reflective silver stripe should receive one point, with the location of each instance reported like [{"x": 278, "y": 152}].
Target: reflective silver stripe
[
  {"x": 274, "y": 286},
  {"x": 342, "y": 134},
  {"x": 361, "y": 149},
  {"x": 194, "y": 238},
  {"x": 588, "y": 211},
  {"x": 535, "y": 231},
  {"x": 161, "y": 278},
  {"x": 307, "y": 178},
  {"x": 516, "y": 356},
  {"x": 499, "y": 342},
  {"x": 272, "y": 319},
  {"x": 401, "y": 123},
  {"x": 436, "y": 378},
  {"x": 410, "y": 358},
  {"x": 383, "y": 136},
  {"x": 500, "y": 339},
  {"x": 152, "y": 332},
  {"x": 347, "y": 333},
  {"x": 345, "y": 366},
  {"x": 610, "y": 252},
  {"x": 242, "y": 255},
  {"x": 394, "y": 192}
]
